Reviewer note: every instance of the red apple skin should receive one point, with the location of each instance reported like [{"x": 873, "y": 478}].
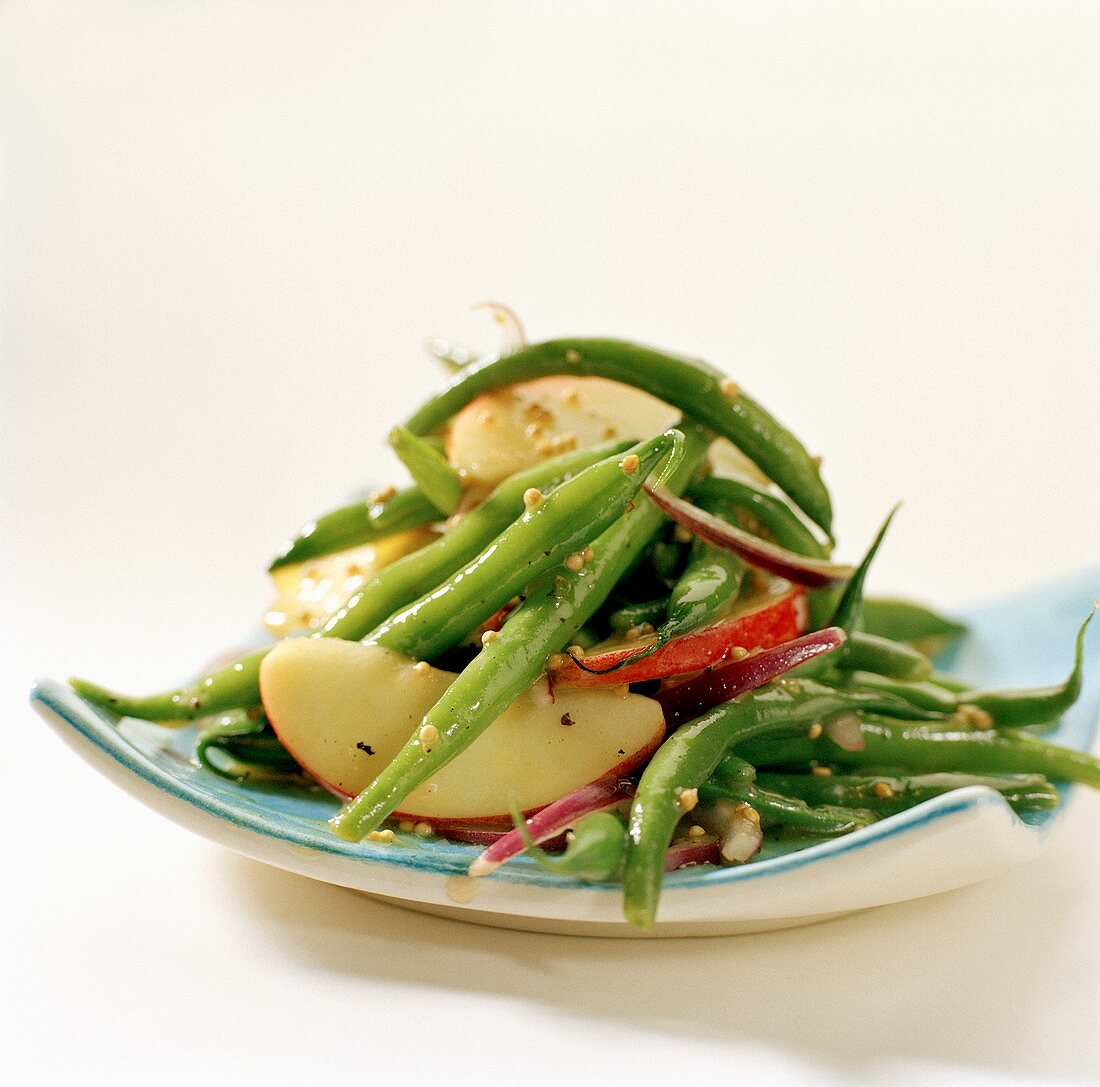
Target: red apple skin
[{"x": 773, "y": 623}]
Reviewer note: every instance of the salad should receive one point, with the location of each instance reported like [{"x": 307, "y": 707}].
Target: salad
[{"x": 604, "y": 627}]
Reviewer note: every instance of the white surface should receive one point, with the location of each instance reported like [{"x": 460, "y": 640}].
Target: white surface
[{"x": 225, "y": 231}]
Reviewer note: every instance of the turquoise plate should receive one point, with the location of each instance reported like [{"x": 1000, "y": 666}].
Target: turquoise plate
[{"x": 957, "y": 839}]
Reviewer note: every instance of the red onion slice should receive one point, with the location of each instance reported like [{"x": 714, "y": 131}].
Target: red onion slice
[
  {"x": 687, "y": 700},
  {"x": 472, "y": 835},
  {"x": 813, "y": 573},
  {"x": 552, "y": 820},
  {"x": 484, "y": 837},
  {"x": 692, "y": 851}
]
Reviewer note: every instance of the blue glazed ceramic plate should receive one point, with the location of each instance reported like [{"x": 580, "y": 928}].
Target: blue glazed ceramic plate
[{"x": 955, "y": 840}]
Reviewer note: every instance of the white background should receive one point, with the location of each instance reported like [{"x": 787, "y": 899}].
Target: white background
[{"x": 226, "y": 231}]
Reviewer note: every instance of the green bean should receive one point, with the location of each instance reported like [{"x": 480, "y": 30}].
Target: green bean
[
  {"x": 554, "y": 609},
  {"x": 897, "y": 660},
  {"x": 429, "y": 469},
  {"x": 772, "y": 513},
  {"x": 563, "y": 522},
  {"x": 861, "y": 650},
  {"x": 783, "y": 525},
  {"x": 1007, "y": 708},
  {"x": 593, "y": 852},
  {"x": 237, "y": 684},
  {"x": 230, "y": 725},
  {"x": 689, "y": 384},
  {"x": 681, "y": 764},
  {"x": 586, "y": 638},
  {"x": 692, "y": 753},
  {"x": 247, "y": 740},
  {"x": 358, "y": 523},
  {"x": 905, "y": 621},
  {"x": 918, "y": 748},
  {"x": 705, "y": 590},
  {"x": 668, "y": 558},
  {"x": 1037, "y": 705},
  {"x": 776, "y": 809},
  {"x": 634, "y": 615},
  {"x": 948, "y": 683},
  {"x": 734, "y": 770},
  {"x": 927, "y": 695},
  {"x": 708, "y": 586},
  {"x": 888, "y": 795},
  {"x": 849, "y": 611}
]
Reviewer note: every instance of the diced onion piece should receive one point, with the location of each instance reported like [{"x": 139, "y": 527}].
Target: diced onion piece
[
  {"x": 846, "y": 732},
  {"x": 737, "y": 827}
]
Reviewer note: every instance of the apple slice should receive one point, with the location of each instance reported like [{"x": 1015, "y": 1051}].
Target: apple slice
[
  {"x": 510, "y": 429},
  {"x": 763, "y": 621},
  {"x": 344, "y": 710},
  {"x": 309, "y": 592}
]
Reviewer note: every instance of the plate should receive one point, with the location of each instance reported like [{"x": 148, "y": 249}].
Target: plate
[{"x": 954, "y": 840}]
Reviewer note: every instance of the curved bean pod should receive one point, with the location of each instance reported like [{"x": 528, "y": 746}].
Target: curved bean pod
[
  {"x": 692, "y": 385},
  {"x": 691, "y": 754},
  {"x": 1037, "y": 705},
  {"x": 593, "y": 852},
  {"x": 665, "y": 792}
]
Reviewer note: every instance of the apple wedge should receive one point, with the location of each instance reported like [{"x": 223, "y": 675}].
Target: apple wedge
[
  {"x": 760, "y": 623},
  {"x": 309, "y": 592},
  {"x": 344, "y": 710},
  {"x": 510, "y": 429}
]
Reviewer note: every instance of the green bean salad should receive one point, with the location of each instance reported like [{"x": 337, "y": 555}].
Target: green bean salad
[{"x": 603, "y": 627}]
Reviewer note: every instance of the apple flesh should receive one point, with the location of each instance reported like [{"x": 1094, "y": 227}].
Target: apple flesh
[
  {"x": 344, "y": 710},
  {"x": 761, "y": 623},
  {"x": 311, "y": 591},
  {"x": 507, "y": 430}
]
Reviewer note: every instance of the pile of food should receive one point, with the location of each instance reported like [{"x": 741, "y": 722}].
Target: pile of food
[{"x": 603, "y": 627}]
